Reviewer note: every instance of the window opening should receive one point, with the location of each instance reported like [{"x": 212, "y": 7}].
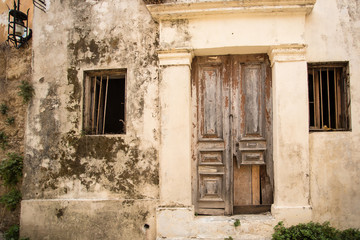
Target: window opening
[
  {"x": 329, "y": 97},
  {"x": 105, "y": 102}
]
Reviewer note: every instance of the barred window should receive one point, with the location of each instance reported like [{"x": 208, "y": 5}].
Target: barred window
[
  {"x": 329, "y": 96},
  {"x": 104, "y": 102}
]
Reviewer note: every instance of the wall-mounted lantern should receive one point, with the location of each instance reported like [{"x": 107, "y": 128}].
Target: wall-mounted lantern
[{"x": 18, "y": 26}]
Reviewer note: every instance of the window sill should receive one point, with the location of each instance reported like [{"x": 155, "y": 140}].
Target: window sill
[{"x": 329, "y": 130}]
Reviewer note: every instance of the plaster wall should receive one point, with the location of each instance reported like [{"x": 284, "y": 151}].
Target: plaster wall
[
  {"x": 78, "y": 186},
  {"x": 332, "y": 33},
  {"x": 309, "y": 168},
  {"x": 231, "y": 32},
  {"x": 70, "y": 174}
]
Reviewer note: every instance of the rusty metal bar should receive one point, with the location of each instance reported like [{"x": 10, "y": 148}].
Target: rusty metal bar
[
  {"x": 93, "y": 107},
  {"x": 106, "y": 93},
  {"x": 328, "y": 96},
  {"x": 336, "y": 105},
  {"x": 314, "y": 99},
  {"x": 321, "y": 101},
  {"x": 125, "y": 99},
  {"x": 99, "y": 104}
]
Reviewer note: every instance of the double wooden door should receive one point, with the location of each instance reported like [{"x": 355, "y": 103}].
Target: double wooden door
[{"x": 232, "y": 170}]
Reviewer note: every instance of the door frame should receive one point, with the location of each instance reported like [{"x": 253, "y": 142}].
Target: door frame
[{"x": 226, "y": 65}]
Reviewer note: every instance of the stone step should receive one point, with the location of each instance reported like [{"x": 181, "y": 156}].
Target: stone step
[{"x": 181, "y": 224}]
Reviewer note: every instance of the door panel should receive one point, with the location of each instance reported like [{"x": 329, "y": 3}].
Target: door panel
[
  {"x": 230, "y": 109},
  {"x": 211, "y": 171},
  {"x": 210, "y": 97}
]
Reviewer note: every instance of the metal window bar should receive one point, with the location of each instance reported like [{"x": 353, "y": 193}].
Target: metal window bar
[
  {"x": 333, "y": 98},
  {"x": 328, "y": 97},
  {"x": 40, "y": 4},
  {"x": 336, "y": 101},
  {"x": 99, "y": 106},
  {"x": 106, "y": 94},
  {"x": 314, "y": 98},
  {"x": 93, "y": 106},
  {"x": 321, "y": 101}
]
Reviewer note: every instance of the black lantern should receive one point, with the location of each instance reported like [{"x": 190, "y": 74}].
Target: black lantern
[{"x": 18, "y": 30}]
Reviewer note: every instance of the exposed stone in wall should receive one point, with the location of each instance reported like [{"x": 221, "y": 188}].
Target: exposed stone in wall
[{"x": 15, "y": 66}]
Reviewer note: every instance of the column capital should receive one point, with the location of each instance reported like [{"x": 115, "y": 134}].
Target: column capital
[
  {"x": 287, "y": 53},
  {"x": 175, "y": 57}
]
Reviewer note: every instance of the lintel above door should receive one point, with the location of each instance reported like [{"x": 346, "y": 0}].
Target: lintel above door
[{"x": 170, "y": 9}]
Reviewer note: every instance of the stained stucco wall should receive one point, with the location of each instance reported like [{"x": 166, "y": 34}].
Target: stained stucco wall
[
  {"x": 86, "y": 187},
  {"x": 91, "y": 187},
  {"x": 332, "y": 34}
]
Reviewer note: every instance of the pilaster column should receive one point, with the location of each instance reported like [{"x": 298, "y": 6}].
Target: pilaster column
[
  {"x": 291, "y": 134},
  {"x": 175, "y": 149}
]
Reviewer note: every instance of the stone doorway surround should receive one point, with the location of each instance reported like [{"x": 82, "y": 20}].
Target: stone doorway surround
[{"x": 197, "y": 28}]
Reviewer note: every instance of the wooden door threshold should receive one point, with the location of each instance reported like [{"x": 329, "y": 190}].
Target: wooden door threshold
[{"x": 251, "y": 209}]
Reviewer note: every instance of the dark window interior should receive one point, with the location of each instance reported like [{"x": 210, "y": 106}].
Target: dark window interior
[
  {"x": 115, "y": 111},
  {"x": 329, "y": 98},
  {"x": 105, "y": 103}
]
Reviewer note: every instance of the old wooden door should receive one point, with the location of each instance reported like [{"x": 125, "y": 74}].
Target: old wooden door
[{"x": 232, "y": 141}]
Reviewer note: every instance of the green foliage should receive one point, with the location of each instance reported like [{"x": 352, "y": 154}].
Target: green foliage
[
  {"x": 10, "y": 120},
  {"x": 26, "y": 91},
  {"x": 11, "y": 169},
  {"x": 229, "y": 238},
  {"x": 3, "y": 140},
  {"x": 12, "y": 233},
  {"x": 237, "y": 223},
  {"x": 313, "y": 231},
  {"x": 11, "y": 199},
  {"x": 3, "y": 108}
]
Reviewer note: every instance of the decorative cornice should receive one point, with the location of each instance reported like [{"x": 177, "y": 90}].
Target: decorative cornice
[
  {"x": 167, "y": 11},
  {"x": 175, "y": 57},
  {"x": 287, "y": 53}
]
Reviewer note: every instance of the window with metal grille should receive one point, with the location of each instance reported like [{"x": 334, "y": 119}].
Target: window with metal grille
[
  {"x": 329, "y": 96},
  {"x": 105, "y": 102}
]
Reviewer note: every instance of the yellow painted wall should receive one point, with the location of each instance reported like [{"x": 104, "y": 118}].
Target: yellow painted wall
[{"x": 4, "y": 13}]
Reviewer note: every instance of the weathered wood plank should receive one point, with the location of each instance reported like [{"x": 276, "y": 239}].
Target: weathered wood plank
[
  {"x": 266, "y": 188},
  {"x": 242, "y": 185},
  {"x": 252, "y": 91},
  {"x": 253, "y": 209},
  {"x": 255, "y": 184}
]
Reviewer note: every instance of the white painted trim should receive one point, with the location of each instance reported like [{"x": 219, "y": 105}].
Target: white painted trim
[
  {"x": 291, "y": 207},
  {"x": 169, "y": 11},
  {"x": 175, "y": 57},
  {"x": 287, "y": 53}
]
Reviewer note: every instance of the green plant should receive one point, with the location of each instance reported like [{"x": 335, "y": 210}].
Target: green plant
[
  {"x": 3, "y": 108},
  {"x": 11, "y": 169},
  {"x": 313, "y": 231},
  {"x": 26, "y": 91},
  {"x": 12, "y": 233},
  {"x": 3, "y": 140},
  {"x": 237, "y": 223},
  {"x": 229, "y": 238},
  {"x": 11, "y": 199},
  {"x": 10, "y": 120}
]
